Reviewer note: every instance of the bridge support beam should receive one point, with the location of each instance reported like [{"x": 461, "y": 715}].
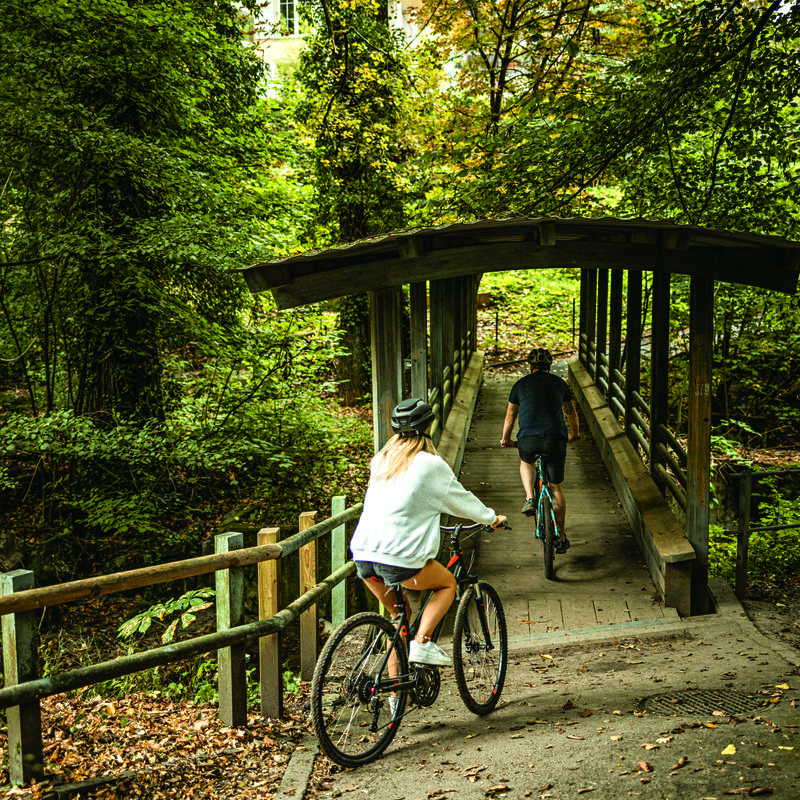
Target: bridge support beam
[
  {"x": 387, "y": 360},
  {"x": 701, "y": 333},
  {"x": 659, "y": 372}
]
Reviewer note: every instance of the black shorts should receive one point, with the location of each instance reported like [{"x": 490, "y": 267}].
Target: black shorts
[
  {"x": 554, "y": 445},
  {"x": 385, "y": 572}
]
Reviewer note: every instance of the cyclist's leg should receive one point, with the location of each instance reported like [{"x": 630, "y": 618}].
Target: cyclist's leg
[
  {"x": 528, "y": 474},
  {"x": 556, "y": 461},
  {"x": 527, "y": 447},
  {"x": 559, "y": 504},
  {"x": 378, "y": 579},
  {"x": 440, "y": 581}
]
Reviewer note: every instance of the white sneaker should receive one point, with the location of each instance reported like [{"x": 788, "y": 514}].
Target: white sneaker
[{"x": 428, "y": 653}]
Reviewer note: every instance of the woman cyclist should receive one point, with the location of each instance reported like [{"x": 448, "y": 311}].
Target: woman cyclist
[{"x": 397, "y": 538}]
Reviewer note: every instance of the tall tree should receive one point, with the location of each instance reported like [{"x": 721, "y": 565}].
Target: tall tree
[
  {"x": 126, "y": 137},
  {"x": 509, "y": 61},
  {"x": 353, "y": 71}
]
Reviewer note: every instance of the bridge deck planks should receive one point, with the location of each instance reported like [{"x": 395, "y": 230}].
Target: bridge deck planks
[{"x": 602, "y": 580}]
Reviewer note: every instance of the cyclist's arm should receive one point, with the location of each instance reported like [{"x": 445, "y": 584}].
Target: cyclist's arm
[
  {"x": 508, "y": 424},
  {"x": 573, "y": 423}
]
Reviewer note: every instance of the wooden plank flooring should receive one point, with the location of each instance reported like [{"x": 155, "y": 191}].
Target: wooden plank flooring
[{"x": 601, "y": 581}]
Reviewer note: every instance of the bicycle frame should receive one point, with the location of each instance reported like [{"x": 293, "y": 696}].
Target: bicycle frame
[
  {"x": 542, "y": 489},
  {"x": 404, "y": 627}
]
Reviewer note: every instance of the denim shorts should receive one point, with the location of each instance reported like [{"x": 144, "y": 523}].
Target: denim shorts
[
  {"x": 554, "y": 445},
  {"x": 385, "y": 572}
]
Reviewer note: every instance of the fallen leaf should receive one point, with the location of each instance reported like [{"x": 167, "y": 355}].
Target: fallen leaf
[
  {"x": 545, "y": 655},
  {"x": 645, "y": 766},
  {"x": 730, "y": 750}
]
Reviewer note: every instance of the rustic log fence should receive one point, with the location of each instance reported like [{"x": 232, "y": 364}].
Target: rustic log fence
[{"x": 19, "y": 602}]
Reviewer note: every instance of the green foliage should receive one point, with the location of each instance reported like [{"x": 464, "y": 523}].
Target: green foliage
[
  {"x": 129, "y": 140},
  {"x": 187, "y": 606},
  {"x": 772, "y": 555},
  {"x": 354, "y": 78},
  {"x": 291, "y": 680},
  {"x": 109, "y": 495},
  {"x": 536, "y": 305}
]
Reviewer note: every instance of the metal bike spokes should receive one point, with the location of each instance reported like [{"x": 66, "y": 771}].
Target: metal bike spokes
[
  {"x": 351, "y": 708},
  {"x": 480, "y": 661}
]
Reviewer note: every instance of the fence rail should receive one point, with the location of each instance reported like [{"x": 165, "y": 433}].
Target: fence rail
[
  {"x": 747, "y": 480},
  {"x": 18, "y": 603}
]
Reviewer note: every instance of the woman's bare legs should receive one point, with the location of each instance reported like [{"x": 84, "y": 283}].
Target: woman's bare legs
[{"x": 436, "y": 577}]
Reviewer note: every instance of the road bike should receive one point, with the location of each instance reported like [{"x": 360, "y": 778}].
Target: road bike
[
  {"x": 547, "y": 530},
  {"x": 363, "y": 684}
]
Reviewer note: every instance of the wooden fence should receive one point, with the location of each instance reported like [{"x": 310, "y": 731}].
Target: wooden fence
[
  {"x": 747, "y": 481},
  {"x": 19, "y": 602}
]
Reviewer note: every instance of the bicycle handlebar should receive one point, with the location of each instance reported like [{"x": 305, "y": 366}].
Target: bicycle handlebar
[{"x": 474, "y": 526}]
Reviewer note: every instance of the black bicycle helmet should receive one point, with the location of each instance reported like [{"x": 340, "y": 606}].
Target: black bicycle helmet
[
  {"x": 540, "y": 358},
  {"x": 412, "y": 417}
]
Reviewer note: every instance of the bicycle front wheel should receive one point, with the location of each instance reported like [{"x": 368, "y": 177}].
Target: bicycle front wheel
[
  {"x": 355, "y": 710},
  {"x": 548, "y": 536},
  {"x": 480, "y": 655}
]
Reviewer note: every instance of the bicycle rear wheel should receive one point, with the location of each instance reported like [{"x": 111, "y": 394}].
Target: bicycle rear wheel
[
  {"x": 548, "y": 536},
  {"x": 480, "y": 658},
  {"x": 350, "y": 695}
]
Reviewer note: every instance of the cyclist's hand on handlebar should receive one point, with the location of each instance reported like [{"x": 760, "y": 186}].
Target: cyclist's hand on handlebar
[
  {"x": 507, "y": 443},
  {"x": 500, "y": 522}
]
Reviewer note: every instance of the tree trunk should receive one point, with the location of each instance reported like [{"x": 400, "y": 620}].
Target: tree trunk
[{"x": 353, "y": 370}]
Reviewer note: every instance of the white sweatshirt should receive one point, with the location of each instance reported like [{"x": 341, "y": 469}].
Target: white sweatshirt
[{"x": 399, "y": 525}]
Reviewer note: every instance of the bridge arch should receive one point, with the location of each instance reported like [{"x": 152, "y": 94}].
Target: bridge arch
[{"x": 443, "y": 265}]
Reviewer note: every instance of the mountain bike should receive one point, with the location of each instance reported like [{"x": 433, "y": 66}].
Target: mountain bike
[
  {"x": 363, "y": 684},
  {"x": 546, "y": 527}
]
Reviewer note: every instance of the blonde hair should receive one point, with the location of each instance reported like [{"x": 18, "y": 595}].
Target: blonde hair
[{"x": 397, "y": 454}]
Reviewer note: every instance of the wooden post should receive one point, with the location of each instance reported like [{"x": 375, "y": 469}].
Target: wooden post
[
  {"x": 591, "y": 323},
  {"x": 441, "y": 342},
  {"x": 270, "y": 656},
  {"x": 309, "y": 620},
  {"x": 743, "y": 533},
  {"x": 659, "y": 372},
  {"x": 633, "y": 350},
  {"x": 602, "y": 319},
  {"x": 615, "y": 330},
  {"x": 701, "y": 337},
  {"x": 582, "y": 317},
  {"x": 419, "y": 339},
  {"x": 21, "y": 664},
  {"x": 230, "y": 614},
  {"x": 387, "y": 360},
  {"x": 338, "y": 559}
]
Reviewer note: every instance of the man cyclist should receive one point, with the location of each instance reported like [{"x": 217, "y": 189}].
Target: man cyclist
[{"x": 548, "y": 420}]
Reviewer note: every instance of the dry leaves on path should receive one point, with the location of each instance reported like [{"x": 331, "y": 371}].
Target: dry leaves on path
[{"x": 143, "y": 746}]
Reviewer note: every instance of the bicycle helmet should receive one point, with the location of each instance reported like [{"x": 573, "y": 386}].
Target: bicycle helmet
[
  {"x": 412, "y": 417},
  {"x": 540, "y": 358}
]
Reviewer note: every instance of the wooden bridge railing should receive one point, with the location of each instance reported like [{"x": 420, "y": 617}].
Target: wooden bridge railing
[
  {"x": 19, "y": 602},
  {"x": 443, "y": 394}
]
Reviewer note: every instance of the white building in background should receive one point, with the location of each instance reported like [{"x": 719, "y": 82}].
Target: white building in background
[{"x": 278, "y": 34}]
